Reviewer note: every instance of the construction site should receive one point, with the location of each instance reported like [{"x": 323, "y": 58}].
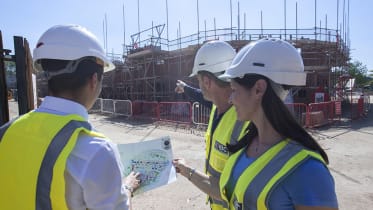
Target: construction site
[
  {"x": 146, "y": 74},
  {"x": 138, "y": 102},
  {"x": 150, "y": 67},
  {"x": 143, "y": 82}
]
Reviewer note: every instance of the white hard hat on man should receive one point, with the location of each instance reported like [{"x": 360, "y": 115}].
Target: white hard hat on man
[
  {"x": 214, "y": 57},
  {"x": 275, "y": 59}
]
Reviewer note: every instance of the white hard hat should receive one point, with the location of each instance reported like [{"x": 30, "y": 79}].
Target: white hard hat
[
  {"x": 69, "y": 42},
  {"x": 276, "y": 59},
  {"x": 213, "y": 56}
]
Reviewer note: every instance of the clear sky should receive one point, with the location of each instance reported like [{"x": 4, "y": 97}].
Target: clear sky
[{"x": 31, "y": 18}]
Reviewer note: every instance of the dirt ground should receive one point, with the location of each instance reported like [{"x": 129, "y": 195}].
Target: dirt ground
[{"x": 349, "y": 145}]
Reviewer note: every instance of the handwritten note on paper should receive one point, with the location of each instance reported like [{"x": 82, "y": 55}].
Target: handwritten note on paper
[{"x": 152, "y": 158}]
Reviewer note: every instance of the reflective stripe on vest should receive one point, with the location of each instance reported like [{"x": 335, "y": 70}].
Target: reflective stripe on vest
[
  {"x": 253, "y": 188},
  {"x": 228, "y": 131},
  {"x": 33, "y": 168},
  {"x": 55, "y": 148},
  {"x": 236, "y": 132}
]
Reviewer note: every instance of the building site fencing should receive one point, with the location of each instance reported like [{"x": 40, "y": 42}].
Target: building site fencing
[
  {"x": 309, "y": 116},
  {"x": 360, "y": 107},
  {"x": 178, "y": 112},
  {"x": 299, "y": 111},
  {"x": 145, "y": 110},
  {"x": 200, "y": 114},
  {"x": 110, "y": 106},
  {"x": 319, "y": 114}
]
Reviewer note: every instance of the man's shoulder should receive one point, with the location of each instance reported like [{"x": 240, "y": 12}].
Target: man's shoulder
[{"x": 87, "y": 146}]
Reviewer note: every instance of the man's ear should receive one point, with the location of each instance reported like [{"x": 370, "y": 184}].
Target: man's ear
[
  {"x": 93, "y": 81},
  {"x": 206, "y": 81}
]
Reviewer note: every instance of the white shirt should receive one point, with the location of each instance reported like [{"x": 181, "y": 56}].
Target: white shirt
[{"x": 94, "y": 172}]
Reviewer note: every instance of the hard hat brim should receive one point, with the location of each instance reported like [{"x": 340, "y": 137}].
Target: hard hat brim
[{"x": 283, "y": 78}]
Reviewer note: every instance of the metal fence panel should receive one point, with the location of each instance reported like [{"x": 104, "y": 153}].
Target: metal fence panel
[
  {"x": 123, "y": 107},
  {"x": 200, "y": 114},
  {"x": 179, "y": 112},
  {"x": 108, "y": 106},
  {"x": 299, "y": 111}
]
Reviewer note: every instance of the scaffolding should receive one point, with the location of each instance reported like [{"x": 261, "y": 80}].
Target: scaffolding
[{"x": 149, "y": 67}]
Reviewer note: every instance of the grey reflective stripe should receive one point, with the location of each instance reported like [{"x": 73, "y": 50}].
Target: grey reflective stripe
[
  {"x": 236, "y": 132},
  {"x": 5, "y": 127},
  {"x": 218, "y": 202},
  {"x": 212, "y": 171},
  {"x": 265, "y": 175},
  {"x": 43, "y": 201}
]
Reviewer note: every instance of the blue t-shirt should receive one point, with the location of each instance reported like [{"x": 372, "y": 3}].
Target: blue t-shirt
[{"x": 310, "y": 184}]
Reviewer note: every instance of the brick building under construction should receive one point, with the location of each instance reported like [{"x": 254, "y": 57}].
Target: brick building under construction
[{"x": 149, "y": 68}]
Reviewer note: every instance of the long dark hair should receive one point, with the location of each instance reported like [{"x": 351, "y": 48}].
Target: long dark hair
[{"x": 279, "y": 116}]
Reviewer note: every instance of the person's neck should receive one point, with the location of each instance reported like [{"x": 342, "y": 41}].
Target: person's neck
[
  {"x": 221, "y": 100},
  {"x": 72, "y": 97},
  {"x": 222, "y": 107},
  {"x": 267, "y": 135}
]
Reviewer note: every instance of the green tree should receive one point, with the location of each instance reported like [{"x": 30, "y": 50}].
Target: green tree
[
  {"x": 358, "y": 71},
  {"x": 370, "y": 73},
  {"x": 370, "y": 78}
]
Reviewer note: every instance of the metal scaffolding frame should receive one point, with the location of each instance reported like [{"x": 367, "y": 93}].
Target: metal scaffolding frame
[{"x": 150, "y": 67}]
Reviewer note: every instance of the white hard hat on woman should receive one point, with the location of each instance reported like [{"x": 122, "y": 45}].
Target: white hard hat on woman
[{"x": 273, "y": 58}]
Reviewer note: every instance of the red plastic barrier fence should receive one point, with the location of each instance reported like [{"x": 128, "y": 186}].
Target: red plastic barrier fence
[
  {"x": 178, "y": 112},
  {"x": 320, "y": 114},
  {"x": 338, "y": 109},
  {"x": 145, "y": 110}
]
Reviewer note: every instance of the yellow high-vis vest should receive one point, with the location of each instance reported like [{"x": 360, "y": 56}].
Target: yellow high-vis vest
[
  {"x": 254, "y": 186},
  {"x": 228, "y": 131},
  {"x": 33, "y": 155}
]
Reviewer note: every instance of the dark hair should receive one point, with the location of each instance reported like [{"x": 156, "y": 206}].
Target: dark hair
[
  {"x": 74, "y": 81},
  {"x": 279, "y": 116},
  {"x": 218, "y": 81}
]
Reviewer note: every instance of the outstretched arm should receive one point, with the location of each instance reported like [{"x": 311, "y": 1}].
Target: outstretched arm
[{"x": 207, "y": 184}]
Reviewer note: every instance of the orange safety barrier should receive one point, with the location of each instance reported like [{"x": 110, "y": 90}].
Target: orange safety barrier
[
  {"x": 320, "y": 114},
  {"x": 312, "y": 115},
  {"x": 338, "y": 109},
  {"x": 179, "y": 112},
  {"x": 145, "y": 110}
]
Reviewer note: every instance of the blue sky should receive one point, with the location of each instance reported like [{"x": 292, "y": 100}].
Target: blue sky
[{"x": 31, "y": 18}]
